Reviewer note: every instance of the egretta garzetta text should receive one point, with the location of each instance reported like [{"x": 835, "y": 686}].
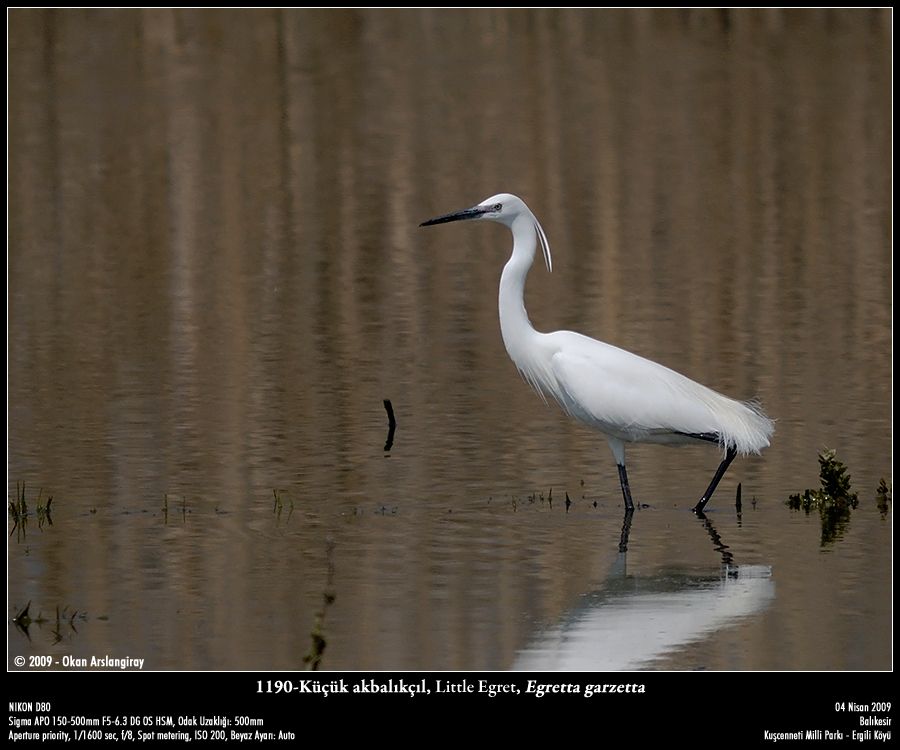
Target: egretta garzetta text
[{"x": 626, "y": 397}]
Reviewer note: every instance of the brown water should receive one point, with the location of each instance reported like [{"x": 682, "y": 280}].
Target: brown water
[{"x": 216, "y": 276}]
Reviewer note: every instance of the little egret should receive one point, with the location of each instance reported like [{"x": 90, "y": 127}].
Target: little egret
[{"x": 624, "y": 396}]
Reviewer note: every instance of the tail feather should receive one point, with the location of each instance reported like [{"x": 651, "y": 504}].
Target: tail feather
[{"x": 743, "y": 426}]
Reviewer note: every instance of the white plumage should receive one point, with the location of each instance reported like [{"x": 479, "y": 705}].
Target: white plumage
[
  {"x": 624, "y": 396},
  {"x": 637, "y": 400}
]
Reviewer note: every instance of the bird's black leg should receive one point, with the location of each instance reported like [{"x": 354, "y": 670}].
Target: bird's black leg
[
  {"x": 626, "y": 490},
  {"x": 720, "y": 472}
]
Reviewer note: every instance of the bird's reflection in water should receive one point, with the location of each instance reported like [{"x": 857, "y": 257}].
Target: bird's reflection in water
[{"x": 633, "y": 621}]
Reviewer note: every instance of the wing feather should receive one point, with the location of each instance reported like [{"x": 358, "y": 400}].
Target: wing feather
[{"x": 637, "y": 399}]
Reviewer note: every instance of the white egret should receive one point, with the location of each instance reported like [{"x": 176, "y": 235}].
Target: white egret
[{"x": 624, "y": 396}]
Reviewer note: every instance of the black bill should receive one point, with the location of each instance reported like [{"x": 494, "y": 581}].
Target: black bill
[{"x": 466, "y": 213}]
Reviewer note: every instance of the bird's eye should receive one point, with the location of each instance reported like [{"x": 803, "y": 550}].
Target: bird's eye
[{"x": 497, "y": 207}]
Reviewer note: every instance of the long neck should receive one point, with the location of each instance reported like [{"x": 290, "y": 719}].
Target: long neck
[{"x": 514, "y": 323}]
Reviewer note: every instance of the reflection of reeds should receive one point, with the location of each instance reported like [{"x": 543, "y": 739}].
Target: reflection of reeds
[
  {"x": 834, "y": 500},
  {"x": 18, "y": 511},
  {"x": 278, "y": 508},
  {"x": 314, "y": 658},
  {"x": 165, "y": 508},
  {"x": 64, "y": 618},
  {"x": 23, "y": 619}
]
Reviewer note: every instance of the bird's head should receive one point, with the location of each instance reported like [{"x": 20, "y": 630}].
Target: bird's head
[{"x": 502, "y": 208}]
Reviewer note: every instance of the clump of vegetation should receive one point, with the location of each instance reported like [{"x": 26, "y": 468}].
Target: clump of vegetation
[
  {"x": 834, "y": 500},
  {"x": 883, "y": 497}
]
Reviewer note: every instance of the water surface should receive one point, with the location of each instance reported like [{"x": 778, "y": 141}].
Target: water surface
[{"x": 216, "y": 277}]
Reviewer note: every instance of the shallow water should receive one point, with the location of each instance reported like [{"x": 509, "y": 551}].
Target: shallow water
[{"x": 216, "y": 277}]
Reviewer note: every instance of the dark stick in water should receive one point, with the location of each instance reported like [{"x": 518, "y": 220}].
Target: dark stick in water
[{"x": 392, "y": 425}]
